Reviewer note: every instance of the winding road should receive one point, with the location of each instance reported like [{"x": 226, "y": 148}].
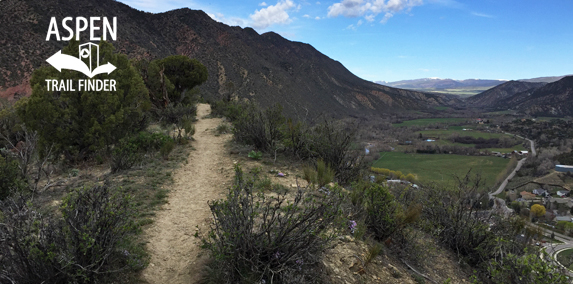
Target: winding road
[{"x": 552, "y": 249}]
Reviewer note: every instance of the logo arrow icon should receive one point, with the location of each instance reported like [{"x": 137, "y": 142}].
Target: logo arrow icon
[{"x": 63, "y": 61}]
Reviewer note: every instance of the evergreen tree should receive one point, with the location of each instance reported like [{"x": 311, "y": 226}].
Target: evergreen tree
[{"x": 80, "y": 123}]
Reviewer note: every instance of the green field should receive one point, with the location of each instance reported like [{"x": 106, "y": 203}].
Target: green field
[
  {"x": 564, "y": 258},
  {"x": 428, "y": 121},
  {"x": 442, "y": 167},
  {"x": 444, "y": 134}
]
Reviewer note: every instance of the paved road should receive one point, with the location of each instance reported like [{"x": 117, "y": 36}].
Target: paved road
[
  {"x": 499, "y": 204},
  {"x": 533, "y": 152},
  {"x": 510, "y": 176},
  {"x": 552, "y": 249},
  {"x": 531, "y": 143}
]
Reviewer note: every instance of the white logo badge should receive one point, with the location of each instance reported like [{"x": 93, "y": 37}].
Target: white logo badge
[{"x": 63, "y": 61}]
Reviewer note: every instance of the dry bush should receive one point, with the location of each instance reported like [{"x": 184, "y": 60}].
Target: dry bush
[
  {"x": 258, "y": 238},
  {"x": 87, "y": 243}
]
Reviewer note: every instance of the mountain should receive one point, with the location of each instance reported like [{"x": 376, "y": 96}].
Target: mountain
[
  {"x": 491, "y": 97},
  {"x": 549, "y": 79},
  {"x": 440, "y": 84},
  {"x": 242, "y": 63},
  {"x": 553, "y": 99}
]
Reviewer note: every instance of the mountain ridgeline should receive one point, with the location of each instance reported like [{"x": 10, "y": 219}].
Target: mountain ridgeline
[
  {"x": 539, "y": 99},
  {"x": 242, "y": 64},
  {"x": 493, "y": 96},
  {"x": 553, "y": 99},
  {"x": 441, "y": 84}
]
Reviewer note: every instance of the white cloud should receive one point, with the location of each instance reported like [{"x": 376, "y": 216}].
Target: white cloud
[
  {"x": 371, "y": 8},
  {"x": 274, "y": 14},
  {"x": 482, "y": 15},
  {"x": 317, "y": 3},
  {"x": 233, "y": 21},
  {"x": 317, "y": 18},
  {"x": 387, "y": 17},
  {"x": 348, "y": 8},
  {"x": 306, "y": 16},
  {"x": 263, "y": 4}
]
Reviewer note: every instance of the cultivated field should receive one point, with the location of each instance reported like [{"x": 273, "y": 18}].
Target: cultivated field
[
  {"x": 442, "y": 167},
  {"x": 429, "y": 121}
]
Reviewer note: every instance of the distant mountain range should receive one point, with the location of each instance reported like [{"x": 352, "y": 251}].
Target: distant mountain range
[
  {"x": 242, "y": 63},
  {"x": 463, "y": 88},
  {"x": 441, "y": 84},
  {"x": 438, "y": 83}
]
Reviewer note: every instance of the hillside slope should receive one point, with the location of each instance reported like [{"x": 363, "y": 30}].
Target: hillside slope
[
  {"x": 492, "y": 96},
  {"x": 241, "y": 63},
  {"x": 553, "y": 99}
]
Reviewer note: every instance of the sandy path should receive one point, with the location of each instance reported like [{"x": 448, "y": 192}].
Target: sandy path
[{"x": 173, "y": 248}]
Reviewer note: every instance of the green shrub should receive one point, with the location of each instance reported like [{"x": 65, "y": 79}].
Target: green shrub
[
  {"x": 259, "y": 128},
  {"x": 11, "y": 179},
  {"x": 298, "y": 139},
  {"x": 147, "y": 142},
  {"x": 381, "y": 211},
  {"x": 130, "y": 151},
  {"x": 265, "y": 184},
  {"x": 255, "y": 237},
  {"x": 189, "y": 128},
  {"x": 320, "y": 176},
  {"x": 124, "y": 156},
  {"x": 78, "y": 123},
  {"x": 166, "y": 149},
  {"x": 229, "y": 109},
  {"x": 255, "y": 155},
  {"x": 223, "y": 128},
  {"x": 324, "y": 174},
  {"x": 419, "y": 279},
  {"x": 530, "y": 268},
  {"x": 332, "y": 143}
]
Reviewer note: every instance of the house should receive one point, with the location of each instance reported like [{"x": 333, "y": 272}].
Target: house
[
  {"x": 562, "y": 193},
  {"x": 541, "y": 192},
  {"x": 564, "y": 168},
  {"x": 527, "y": 195},
  {"x": 563, "y": 218}
]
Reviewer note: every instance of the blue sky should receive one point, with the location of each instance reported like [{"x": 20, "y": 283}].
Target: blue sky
[{"x": 391, "y": 40}]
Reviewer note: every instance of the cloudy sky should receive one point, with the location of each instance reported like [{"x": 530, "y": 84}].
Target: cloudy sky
[{"x": 391, "y": 40}]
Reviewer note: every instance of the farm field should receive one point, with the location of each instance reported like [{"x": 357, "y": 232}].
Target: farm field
[
  {"x": 442, "y": 167},
  {"x": 444, "y": 134},
  {"x": 429, "y": 121}
]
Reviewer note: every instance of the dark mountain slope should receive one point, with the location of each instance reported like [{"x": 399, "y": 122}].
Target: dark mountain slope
[
  {"x": 241, "y": 63},
  {"x": 492, "y": 96},
  {"x": 553, "y": 99}
]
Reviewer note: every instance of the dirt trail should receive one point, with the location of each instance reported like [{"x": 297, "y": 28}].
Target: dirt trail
[{"x": 173, "y": 248}]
